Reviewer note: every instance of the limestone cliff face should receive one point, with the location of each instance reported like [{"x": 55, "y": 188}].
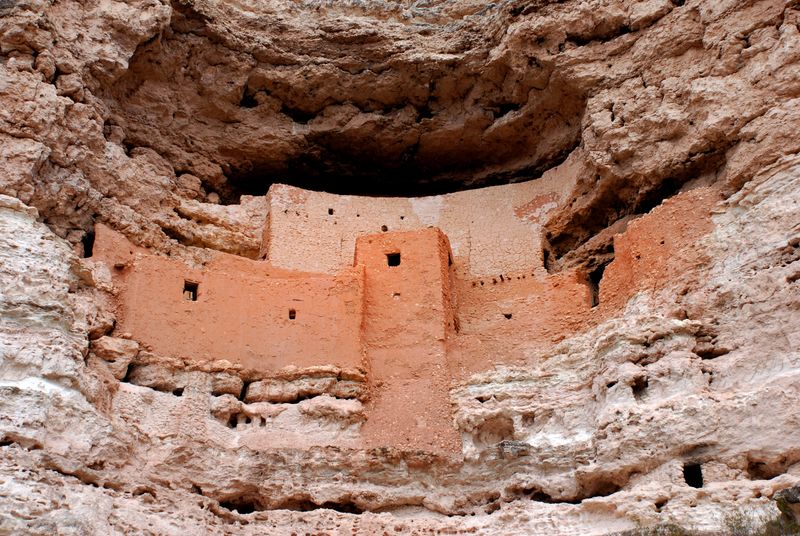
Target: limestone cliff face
[{"x": 661, "y": 141}]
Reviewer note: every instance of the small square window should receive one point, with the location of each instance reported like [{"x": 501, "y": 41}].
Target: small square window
[
  {"x": 292, "y": 314},
  {"x": 393, "y": 259},
  {"x": 190, "y": 290}
]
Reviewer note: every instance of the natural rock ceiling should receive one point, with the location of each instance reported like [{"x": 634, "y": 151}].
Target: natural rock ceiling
[
  {"x": 156, "y": 117},
  {"x": 393, "y": 98},
  {"x": 326, "y": 98}
]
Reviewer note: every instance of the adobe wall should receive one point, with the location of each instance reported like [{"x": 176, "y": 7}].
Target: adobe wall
[
  {"x": 242, "y": 309},
  {"x": 414, "y": 294},
  {"x": 491, "y": 230},
  {"x": 507, "y": 320},
  {"x": 503, "y": 321},
  {"x": 408, "y": 317}
]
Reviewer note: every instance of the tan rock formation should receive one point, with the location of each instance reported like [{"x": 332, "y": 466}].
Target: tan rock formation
[{"x": 370, "y": 267}]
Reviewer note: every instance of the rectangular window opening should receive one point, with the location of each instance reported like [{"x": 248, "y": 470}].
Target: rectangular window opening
[
  {"x": 593, "y": 281},
  {"x": 88, "y": 244},
  {"x": 292, "y": 314},
  {"x": 393, "y": 259},
  {"x": 693, "y": 475},
  {"x": 190, "y": 290}
]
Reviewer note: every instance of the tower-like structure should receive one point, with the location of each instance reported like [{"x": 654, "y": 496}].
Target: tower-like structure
[{"x": 407, "y": 319}]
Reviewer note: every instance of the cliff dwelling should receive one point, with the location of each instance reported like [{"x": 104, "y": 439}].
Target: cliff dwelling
[
  {"x": 399, "y": 267},
  {"x": 396, "y": 317}
]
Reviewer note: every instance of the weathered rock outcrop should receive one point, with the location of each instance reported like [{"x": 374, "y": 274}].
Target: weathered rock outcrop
[{"x": 168, "y": 121}]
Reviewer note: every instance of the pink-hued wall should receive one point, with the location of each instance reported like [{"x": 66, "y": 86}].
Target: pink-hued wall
[
  {"x": 407, "y": 320},
  {"x": 242, "y": 311}
]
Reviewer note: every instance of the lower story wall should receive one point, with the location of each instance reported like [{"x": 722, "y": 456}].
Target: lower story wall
[{"x": 240, "y": 310}]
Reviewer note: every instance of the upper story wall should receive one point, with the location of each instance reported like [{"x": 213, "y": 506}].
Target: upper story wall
[{"x": 491, "y": 230}]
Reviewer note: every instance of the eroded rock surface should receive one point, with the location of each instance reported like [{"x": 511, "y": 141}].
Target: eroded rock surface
[{"x": 672, "y": 399}]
